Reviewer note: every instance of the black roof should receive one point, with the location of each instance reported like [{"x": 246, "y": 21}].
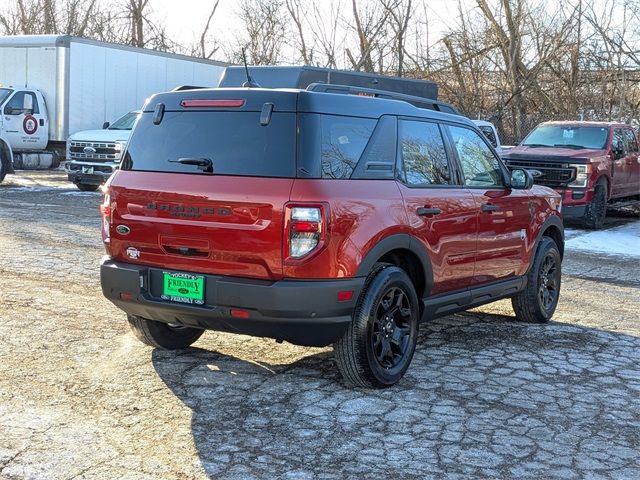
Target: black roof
[
  {"x": 296, "y": 100},
  {"x": 303, "y": 76}
]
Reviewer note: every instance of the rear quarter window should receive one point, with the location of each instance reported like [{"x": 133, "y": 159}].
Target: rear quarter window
[{"x": 343, "y": 139}]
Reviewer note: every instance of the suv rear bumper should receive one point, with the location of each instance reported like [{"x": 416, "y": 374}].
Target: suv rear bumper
[{"x": 298, "y": 311}]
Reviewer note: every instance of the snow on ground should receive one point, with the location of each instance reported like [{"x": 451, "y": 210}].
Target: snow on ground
[{"x": 620, "y": 241}]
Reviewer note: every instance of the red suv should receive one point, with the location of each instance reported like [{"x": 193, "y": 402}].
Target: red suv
[
  {"x": 320, "y": 218},
  {"x": 588, "y": 163}
]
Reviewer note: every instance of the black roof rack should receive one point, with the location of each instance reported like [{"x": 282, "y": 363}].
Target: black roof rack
[{"x": 419, "y": 102}]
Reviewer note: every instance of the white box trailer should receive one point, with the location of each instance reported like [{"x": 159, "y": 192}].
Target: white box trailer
[{"x": 82, "y": 83}]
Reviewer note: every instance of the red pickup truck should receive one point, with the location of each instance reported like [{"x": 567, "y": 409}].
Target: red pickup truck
[{"x": 588, "y": 163}]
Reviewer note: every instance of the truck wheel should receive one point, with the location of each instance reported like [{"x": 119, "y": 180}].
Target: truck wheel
[
  {"x": 597, "y": 210},
  {"x": 538, "y": 301},
  {"x": 3, "y": 168},
  {"x": 162, "y": 335},
  {"x": 378, "y": 347},
  {"x": 85, "y": 187}
]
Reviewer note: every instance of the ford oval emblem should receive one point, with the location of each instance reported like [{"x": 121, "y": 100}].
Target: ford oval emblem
[
  {"x": 123, "y": 230},
  {"x": 89, "y": 150}
]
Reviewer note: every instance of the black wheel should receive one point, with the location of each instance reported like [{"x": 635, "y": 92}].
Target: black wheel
[
  {"x": 538, "y": 301},
  {"x": 596, "y": 211},
  {"x": 85, "y": 187},
  {"x": 4, "y": 165},
  {"x": 163, "y": 335},
  {"x": 378, "y": 347}
]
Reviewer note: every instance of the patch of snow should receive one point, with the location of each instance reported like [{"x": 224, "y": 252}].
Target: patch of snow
[
  {"x": 619, "y": 241},
  {"x": 83, "y": 194},
  {"x": 29, "y": 189}
]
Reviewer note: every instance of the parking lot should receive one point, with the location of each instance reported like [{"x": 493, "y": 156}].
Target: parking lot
[{"x": 486, "y": 396}]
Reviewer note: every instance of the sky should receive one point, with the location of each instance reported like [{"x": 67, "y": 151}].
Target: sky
[{"x": 185, "y": 19}]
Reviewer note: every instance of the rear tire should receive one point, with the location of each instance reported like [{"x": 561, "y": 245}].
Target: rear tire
[
  {"x": 538, "y": 301},
  {"x": 596, "y": 211},
  {"x": 162, "y": 335},
  {"x": 378, "y": 347},
  {"x": 85, "y": 187}
]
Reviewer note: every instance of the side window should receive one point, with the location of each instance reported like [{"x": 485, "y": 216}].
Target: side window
[
  {"x": 631, "y": 141},
  {"x": 618, "y": 143},
  {"x": 491, "y": 136},
  {"x": 423, "y": 153},
  {"x": 15, "y": 106},
  {"x": 479, "y": 166},
  {"x": 343, "y": 141}
]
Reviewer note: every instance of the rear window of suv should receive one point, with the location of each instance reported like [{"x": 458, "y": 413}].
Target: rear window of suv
[{"x": 235, "y": 142}]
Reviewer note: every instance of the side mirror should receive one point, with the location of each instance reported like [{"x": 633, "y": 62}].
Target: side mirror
[
  {"x": 521, "y": 179},
  {"x": 27, "y": 104},
  {"x": 105, "y": 125}
]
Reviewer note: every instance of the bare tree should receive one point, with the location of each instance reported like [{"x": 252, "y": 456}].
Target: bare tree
[
  {"x": 203, "y": 51},
  {"x": 264, "y": 22}
]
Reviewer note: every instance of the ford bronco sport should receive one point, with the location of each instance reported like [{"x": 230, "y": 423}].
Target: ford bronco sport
[
  {"x": 588, "y": 163},
  {"x": 320, "y": 218}
]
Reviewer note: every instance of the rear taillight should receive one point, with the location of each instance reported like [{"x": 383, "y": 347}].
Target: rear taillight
[
  {"x": 107, "y": 215},
  {"x": 306, "y": 229}
]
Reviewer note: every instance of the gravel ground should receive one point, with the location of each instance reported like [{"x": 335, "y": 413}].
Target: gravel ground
[{"x": 485, "y": 397}]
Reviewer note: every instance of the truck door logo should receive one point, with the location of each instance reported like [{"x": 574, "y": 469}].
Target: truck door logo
[{"x": 30, "y": 125}]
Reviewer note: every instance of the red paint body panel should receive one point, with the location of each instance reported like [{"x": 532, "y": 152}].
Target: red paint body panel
[
  {"x": 229, "y": 225},
  {"x": 449, "y": 237},
  {"x": 362, "y": 212}
]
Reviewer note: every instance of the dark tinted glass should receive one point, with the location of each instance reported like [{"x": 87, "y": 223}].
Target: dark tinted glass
[
  {"x": 16, "y": 103},
  {"x": 235, "y": 142},
  {"x": 423, "y": 153},
  {"x": 567, "y": 136},
  {"x": 480, "y": 167},
  {"x": 343, "y": 140}
]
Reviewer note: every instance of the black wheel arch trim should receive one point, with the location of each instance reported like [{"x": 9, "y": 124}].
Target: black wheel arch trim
[
  {"x": 398, "y": 241},
  {"x": 553, "y": 221}
]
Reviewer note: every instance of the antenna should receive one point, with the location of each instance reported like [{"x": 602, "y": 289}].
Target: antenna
[{"x": 250, "y": 83}]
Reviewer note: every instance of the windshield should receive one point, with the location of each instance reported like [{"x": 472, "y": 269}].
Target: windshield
[
  {"x": 4, "y": 93},
  {"x": 229, "y": 143},
  {"x": 125, "y": 122},
  {"x": 567, "y": 137}
]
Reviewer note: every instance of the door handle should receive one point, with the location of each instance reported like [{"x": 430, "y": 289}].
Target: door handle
[
  {"x": 427, "y": 211},
  {"x": 489, "y": 207}
]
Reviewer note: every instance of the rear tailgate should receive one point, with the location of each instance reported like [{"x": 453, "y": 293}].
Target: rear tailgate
[{"x": 178, "y": 216}]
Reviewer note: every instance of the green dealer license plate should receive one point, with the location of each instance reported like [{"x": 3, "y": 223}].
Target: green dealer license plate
[{"x": 183, "y": 287}]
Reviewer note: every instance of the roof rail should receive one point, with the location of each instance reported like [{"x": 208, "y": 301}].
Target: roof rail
[{"x": 420, "y": 102}]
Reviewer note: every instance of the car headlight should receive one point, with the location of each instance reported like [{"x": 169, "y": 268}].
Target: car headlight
[
  {"x": 122, "y": 145},
  {"x": 582, "y": 175}
]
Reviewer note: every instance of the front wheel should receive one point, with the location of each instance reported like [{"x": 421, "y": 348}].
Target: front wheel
[
  {"x": 378, "y": 347},
  {"x": 596, "y": 211},
  {"x": 163, "y": 335},
  {"x": 538, "y": 301}
]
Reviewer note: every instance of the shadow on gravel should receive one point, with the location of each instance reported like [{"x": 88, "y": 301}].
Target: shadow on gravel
[{"x": 486, "y": 396}]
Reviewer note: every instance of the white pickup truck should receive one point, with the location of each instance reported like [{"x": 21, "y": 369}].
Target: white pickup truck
[{"x": 93, "y": 155}]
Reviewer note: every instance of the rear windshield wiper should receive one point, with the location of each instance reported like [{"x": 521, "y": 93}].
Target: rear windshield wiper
[
  {"x": 204, "y": 164},
  {"x": 569, "y": 145}
]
